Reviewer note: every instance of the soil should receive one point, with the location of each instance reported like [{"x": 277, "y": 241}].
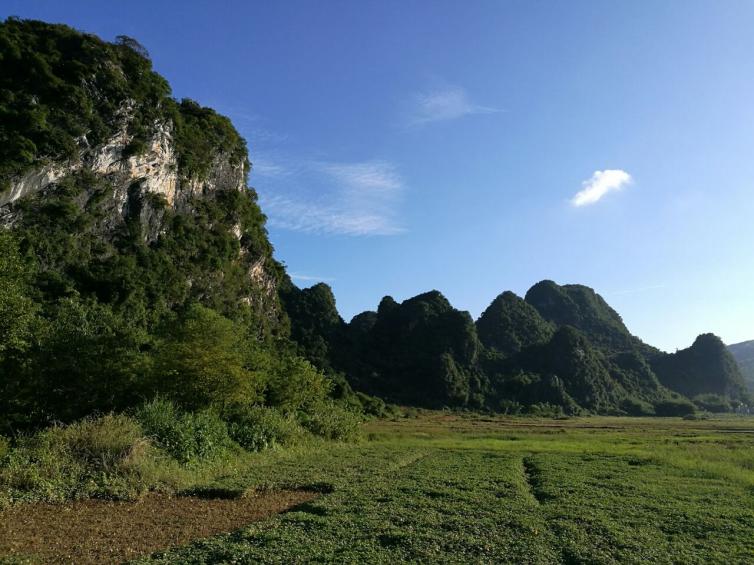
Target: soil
[{"x": 95, "y": 531}]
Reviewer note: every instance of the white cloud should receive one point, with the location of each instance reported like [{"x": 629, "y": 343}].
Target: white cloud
[
  {"x": 444, "y": 104},
  {"x": 310, "y": 278},
  {"x": 599, "y": 185},
  {"x": 334, "y": 198},
  {"x": 267, "y": 168}
]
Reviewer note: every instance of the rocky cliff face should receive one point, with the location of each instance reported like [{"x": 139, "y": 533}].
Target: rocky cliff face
[
  {"x": 125, "y": 174},
  {"x": 144, "y": 188},
  {"x": 152, "y": 172}
]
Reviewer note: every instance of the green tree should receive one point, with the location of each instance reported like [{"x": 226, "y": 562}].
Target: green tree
[
  {"x": 88, "y": 359},
  {"x": 205, "y": 360},
  {"x": 295, "y": 384},
  {"x": 17, "y": 310}
]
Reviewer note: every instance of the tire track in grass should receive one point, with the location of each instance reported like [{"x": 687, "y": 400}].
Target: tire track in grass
[{"x": 533, "y": 480}]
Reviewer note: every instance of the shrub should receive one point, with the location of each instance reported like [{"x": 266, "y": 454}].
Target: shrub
[
  {"x": 187, "y": 436},
  {"x": 676, "y": 407},
  {"x": 16, "y": 308},
  {"x": 106, "y": 457},
  {"x": 713, "y": 403},
  {"x": 545, "y": 410},
  {"x": 636, "y": 407},
  {"x": 256, "y": 428},
  {"x": 372, "y": 405},
  {"x": 105, "y": 442},
  {"x": 329, "y": 420},
  {"x": 510, "y": 407},
  {"x": 90, "y": 359},
  {"x": 4, "y": 446},
  {"x": 296, "y": 383}
]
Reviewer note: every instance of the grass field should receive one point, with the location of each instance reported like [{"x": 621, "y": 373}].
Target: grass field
[
  {"x": 453, "y": 489},
  {"x": 448, "y": 488}
]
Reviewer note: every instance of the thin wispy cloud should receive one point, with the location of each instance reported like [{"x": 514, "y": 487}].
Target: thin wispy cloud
[
  {"x": 637, "y": 290},
  {"x": 310, "y": 278},
  {"x": 333, "y": 198},
  {"x": 257, "y": 136},
  {"x": 601, "y": 183},
  {"x": 267, "y": 168},
  {"x": 448, "y": 103},
  {"x": 251, "y": 126}
]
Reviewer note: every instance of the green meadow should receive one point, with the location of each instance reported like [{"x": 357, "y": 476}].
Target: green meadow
[{"x": 473, "y": 489}]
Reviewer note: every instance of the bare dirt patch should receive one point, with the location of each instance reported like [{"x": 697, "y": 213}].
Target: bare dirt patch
[{"x": 93, "y": 531}]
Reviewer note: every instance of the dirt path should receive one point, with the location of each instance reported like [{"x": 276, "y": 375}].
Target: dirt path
[{"x": 92, "y": 531}]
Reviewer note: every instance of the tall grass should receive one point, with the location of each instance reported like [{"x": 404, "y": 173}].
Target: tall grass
[
  {"x": 103, "y": 457},
  {"x": 157, "y": 447}
]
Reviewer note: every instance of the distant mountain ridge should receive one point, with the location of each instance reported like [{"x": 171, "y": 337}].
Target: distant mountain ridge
[
  {"x": 688, "y": 371},
  {"x": 562, "y": 347},
  {"x": 744, "y": 355}
]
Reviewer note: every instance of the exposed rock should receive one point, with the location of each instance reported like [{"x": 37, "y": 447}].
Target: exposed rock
[{"x": 143, "y": 187}]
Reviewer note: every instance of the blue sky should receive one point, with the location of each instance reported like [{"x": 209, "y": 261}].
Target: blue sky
[{"x": 401, "y": 146}]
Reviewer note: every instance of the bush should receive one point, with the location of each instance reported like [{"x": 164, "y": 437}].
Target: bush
[
  {"x": 187, "y": 436},
  {"x": 510, "y": 407},
  {"x": 636, "y": 407},
  {"x": 256, "y": 428},
  {"x": 295, "y": 383},
  {"x": 677, "y": 407},
  {"x": 106, "y": 457},
  {"x": 713, "y": 403},
  {"x": 4, "y": 446},
  {"x": 104, "y": 443},
  {"x": 372, "y": 405},
  {"x": 545, "y": 410},
  {"x": 329, "y": 420},
  {"x": 90, "y": 359}
]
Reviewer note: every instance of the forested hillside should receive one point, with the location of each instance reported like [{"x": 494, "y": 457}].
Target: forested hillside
[
  {"x": 561, "y": 349},
  {"x": 135, "y": 263},
  {"x": 744, "y": 354},
  {"x": 134, "y": 259}
]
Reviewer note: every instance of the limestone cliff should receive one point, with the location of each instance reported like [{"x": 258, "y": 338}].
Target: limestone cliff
[{"x": 114, "y": 167}]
